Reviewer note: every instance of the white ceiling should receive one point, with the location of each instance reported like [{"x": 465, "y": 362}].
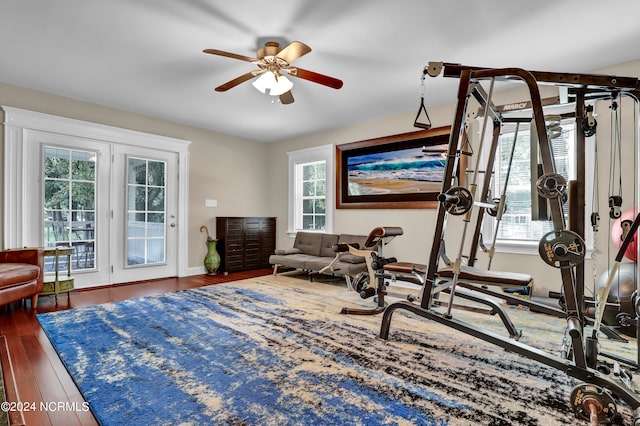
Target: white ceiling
[{"x": 145, "y": 56}]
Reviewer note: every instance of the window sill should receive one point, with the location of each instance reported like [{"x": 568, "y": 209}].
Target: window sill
[
  {"x": 292, "y": 234},
  {"x": 525, "y": 247},
  {"x": 517, "y": 247}
]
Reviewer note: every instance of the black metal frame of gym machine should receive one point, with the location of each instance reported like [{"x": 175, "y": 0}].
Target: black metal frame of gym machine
[{"x": 581, "y": 85}]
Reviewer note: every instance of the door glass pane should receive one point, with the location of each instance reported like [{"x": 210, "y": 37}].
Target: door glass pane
[
  {"x": 146, "y": 219},
  {"x": 69, "y": 204}
]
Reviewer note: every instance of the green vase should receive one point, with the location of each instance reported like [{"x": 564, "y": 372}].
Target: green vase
[{"x": 212, "y": 259}]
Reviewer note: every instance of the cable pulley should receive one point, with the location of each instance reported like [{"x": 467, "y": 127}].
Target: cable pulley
[
  {"x": 625, "y": 225},
  {"x": 615, "y": 206},
  {"x": 562, "y": 249},
  {"x": 551, "y": 185},
  {"x": 595, "y": 221},
  {"x": 493, "y": 211},
  {"x": 589, "y": 122},
  {"x": 457, "y": 200}
]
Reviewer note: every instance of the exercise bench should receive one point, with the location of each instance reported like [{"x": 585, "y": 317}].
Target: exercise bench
[{"x": 375, "y": 260}]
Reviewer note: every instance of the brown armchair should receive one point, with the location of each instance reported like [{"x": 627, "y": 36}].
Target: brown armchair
[{"x": 21, "y": 275}]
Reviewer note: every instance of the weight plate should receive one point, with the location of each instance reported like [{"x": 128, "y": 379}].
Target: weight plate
[
  {"x": 562, "y": 249},
  {"x": 551, "y": 185},
  {"x": 457, "y": 200},
  {"x": 587, "y": 399}
]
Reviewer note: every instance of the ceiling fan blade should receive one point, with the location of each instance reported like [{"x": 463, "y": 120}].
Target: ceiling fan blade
[
  {"x": 233, "y": 83},
  {"x": 293, "y": 51},
  {"x": 286, "y": 98},
  {"x": 316, "y": 77},
  {"x": 229, "y": 55}
]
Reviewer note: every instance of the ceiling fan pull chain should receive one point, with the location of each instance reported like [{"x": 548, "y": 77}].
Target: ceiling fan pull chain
[{"x": 422, "y": 108}]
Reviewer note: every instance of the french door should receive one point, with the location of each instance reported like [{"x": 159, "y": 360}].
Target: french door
[
  {"x": 116, "y": 196},
  {"x": 144, "y": 206},
  {"x": 114, "y": 205}
]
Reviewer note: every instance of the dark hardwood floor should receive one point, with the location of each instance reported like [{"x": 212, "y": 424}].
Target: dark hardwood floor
[{"x": 42, "y": 385}]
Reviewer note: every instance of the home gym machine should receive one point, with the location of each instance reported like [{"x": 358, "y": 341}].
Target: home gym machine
[{"x": 563, "y": 248}]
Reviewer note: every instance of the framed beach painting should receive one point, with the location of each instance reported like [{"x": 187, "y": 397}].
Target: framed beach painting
[{"x": 401, "y": 171}]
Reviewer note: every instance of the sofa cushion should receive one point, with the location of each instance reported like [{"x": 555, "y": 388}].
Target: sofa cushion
[
  {"x": 344, "y": 268},
  {"x": 317, "y": 263},
  {"x": 308, "y": 243},
  {"x": 298, "y": 261},
  {"x": 352, "y": 239},
  {"x": 12, "y": 274},
  {"x": 326, "y": 248}
]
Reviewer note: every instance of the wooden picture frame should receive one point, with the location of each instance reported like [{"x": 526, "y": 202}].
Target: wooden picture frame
[{"x": 393, "y": 172}]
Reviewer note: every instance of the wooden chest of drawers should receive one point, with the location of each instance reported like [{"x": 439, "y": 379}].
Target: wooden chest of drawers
[{"x": 245, "y": 243}]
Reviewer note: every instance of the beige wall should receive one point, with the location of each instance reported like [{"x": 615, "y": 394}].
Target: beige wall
[
  {"x": 417, "y": 223},
  {"x": 228, "y": 169},
  {"x": 415, "y": 244},
  {"x": 233, "y": 171}
]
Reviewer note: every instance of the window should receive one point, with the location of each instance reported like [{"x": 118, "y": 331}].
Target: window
[
  {"x": 312, "y": 194},
  {"x": 311, "y": 189},
  {"x": 520, "y": 228},
  {"x": 69, "y": 202}
]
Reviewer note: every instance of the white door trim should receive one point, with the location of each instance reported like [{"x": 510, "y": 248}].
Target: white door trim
[{"x": 17, "y": 124}]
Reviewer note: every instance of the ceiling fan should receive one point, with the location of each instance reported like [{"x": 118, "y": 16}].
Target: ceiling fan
[{"x": 273, "y": 63}]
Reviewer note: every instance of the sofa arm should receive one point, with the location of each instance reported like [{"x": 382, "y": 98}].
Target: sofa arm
[{"x": 32, "y": 256}]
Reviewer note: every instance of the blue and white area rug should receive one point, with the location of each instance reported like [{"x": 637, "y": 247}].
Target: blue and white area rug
[{"x": 276, "y": 351}]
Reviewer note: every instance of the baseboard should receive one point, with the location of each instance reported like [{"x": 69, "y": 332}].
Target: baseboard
[{"x": 195, "y": 270}]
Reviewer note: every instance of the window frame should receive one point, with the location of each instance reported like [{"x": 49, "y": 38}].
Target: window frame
[{"x": 304, "y": 156}]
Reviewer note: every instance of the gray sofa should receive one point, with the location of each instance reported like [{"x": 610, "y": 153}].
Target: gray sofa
[{"x": 312, "y": 252}]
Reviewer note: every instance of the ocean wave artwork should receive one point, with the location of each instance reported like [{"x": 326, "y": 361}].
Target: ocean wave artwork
[
  {"x": 382, "y": 168},
  {"x": 409, "y": 164}
]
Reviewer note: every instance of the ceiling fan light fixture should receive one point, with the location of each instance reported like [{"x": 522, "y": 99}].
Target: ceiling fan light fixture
[
  {"x": 275, "y": 86},
  {"x": 273, "y": 62},
  {"x": 283, "y": 85},
  {"x": 264, "y": 82}
]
